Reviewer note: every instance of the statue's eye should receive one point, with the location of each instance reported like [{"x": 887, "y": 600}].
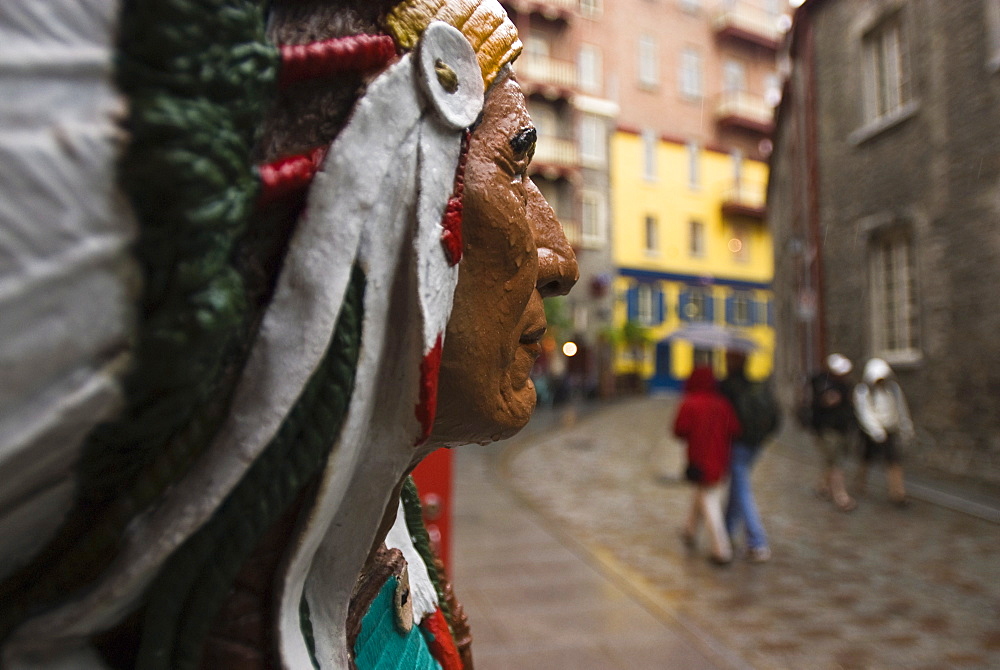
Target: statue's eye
[{"x": 523, "y": 141}]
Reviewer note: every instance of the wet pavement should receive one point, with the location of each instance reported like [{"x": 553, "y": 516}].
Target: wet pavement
[
  {"x": 536, "y": 600},
  {"x": 568, "y": 555}
]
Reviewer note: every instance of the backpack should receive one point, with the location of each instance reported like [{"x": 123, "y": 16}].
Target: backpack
[{"x": 758, "y": 412}]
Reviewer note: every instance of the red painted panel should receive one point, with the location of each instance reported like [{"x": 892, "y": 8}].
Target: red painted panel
[{"x": 434, "y": 482}]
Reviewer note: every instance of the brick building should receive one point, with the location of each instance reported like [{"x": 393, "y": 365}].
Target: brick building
[{"x": 884, "y": 201}]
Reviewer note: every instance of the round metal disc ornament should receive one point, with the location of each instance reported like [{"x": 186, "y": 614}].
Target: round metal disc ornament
[{"x": 450, "y": 74}]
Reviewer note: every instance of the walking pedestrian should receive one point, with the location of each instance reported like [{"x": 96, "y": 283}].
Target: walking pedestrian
[
  {"x": 708, "y": 422},
  {"x": 757, "y": 411},
  {"x": 833, "y": 425},
  {"x": 886, "y": 427}
]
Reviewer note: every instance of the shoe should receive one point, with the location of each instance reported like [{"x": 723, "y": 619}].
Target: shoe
[
  {"x": 759, "y": 554},
  {"x": 901, "y": 503},
  {"x": 720, "y": 561}
]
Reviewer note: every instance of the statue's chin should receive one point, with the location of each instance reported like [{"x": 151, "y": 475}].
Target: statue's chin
[{"x": 504, "y": 418}]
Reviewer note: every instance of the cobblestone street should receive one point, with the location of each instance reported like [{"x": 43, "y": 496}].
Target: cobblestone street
[{"x": 877, "y": 588}]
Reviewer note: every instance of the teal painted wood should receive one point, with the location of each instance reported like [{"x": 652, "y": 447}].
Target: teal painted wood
[{"x": 381, "y": 645}]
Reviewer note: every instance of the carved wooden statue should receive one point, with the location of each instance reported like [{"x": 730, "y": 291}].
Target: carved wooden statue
[{"x": 259, "y": 259}]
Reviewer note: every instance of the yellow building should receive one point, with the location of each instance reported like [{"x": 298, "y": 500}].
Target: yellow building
[{"x": 692, "y": 255}]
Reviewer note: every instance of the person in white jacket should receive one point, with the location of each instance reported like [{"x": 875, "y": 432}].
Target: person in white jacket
[{"x": 884, "y": 418}]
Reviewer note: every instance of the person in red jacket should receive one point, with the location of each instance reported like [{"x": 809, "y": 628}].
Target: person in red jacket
[{"x": 708, "y": 422}]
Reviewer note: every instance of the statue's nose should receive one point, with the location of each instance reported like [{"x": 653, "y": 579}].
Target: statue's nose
[{"x": 557, "y": 269}]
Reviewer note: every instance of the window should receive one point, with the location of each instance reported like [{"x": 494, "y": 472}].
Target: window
[
  {"x": 696, "y": 239},
  {"x": 593, "y": 140},
  {"x": 992, "y": 8},
  {"x": 544, "y": 118},
  {"x": 739, "y": 244},
  {"x": 696, "y": 304},
  {"x": 649, "y": 71},
  {"x": 590, "y": 68},
  {"x": 652, "y": 235},
  {"x": 736, "y": 160},
  {"x": 593, "y": 218},
  {"x": 691, "y": 76},
  {"x": 765, "y": 311},
  {"x": 649, "y": 142},
  {"x": 704, "y": 357},
  {"x": 644, "y": 298},
  {"x": 739, "y": 308},
  {"x": 644, "y": 304},
  {"x": 694, "y": 165},
  {"x": 536, "y": 47},
  {"x": 893, "y": 301},
  {"x": 772, "y": 89},
  {"x": 590, "y": 9},
  {"x": 733, "y": 77},
  {"x": 886, "y": 69}
]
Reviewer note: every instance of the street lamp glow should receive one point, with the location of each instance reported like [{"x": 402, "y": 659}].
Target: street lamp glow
[{"x": 569, "y": 349}]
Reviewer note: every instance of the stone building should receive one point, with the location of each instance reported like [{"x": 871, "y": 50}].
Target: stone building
[{"x": 884, "y": 200}]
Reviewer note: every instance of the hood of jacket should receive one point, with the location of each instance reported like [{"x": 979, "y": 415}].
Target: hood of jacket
[
  {"x": 875, "y": 370},
  {"x": 702, "y": 379}
]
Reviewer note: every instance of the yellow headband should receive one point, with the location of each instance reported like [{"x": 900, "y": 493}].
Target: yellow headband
[{"x": 483, "y": 22}]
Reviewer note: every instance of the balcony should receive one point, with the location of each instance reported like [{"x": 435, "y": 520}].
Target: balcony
[
  {"x": 555, "y": 158},
  {"x": 552, "y": 78},
  {"x": 741, "y": 21},
  {"x": 553, "y": 10},
  {"x": 745, "y": 199},
  {"x": 745, "y": 111}
]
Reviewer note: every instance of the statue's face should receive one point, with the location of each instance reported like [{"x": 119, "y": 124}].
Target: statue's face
[{"x": 515, "y": 255}]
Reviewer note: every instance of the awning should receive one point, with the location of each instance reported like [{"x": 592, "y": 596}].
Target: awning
[{"x": 712, "y": 336}]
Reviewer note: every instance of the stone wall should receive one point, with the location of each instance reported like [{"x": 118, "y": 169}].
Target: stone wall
[{"x": 932, "y": 173}]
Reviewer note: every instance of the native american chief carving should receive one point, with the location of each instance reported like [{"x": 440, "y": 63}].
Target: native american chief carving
[{"x": 258, "y": 259}]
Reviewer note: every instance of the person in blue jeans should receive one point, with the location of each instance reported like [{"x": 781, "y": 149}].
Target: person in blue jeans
[{"x": 758, "y": 413}]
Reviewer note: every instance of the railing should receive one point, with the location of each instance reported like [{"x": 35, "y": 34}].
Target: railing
[
  {"x": 746, "y": 198},
  {"x": 548, "y": 8},
  {"x": 554, "y": 151},
  {"x": 569, "y": 5},
  {"x": 543, "y": 70},
  {"x": 743, "y": 20},
  {"x": 745, "y": 109}
]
